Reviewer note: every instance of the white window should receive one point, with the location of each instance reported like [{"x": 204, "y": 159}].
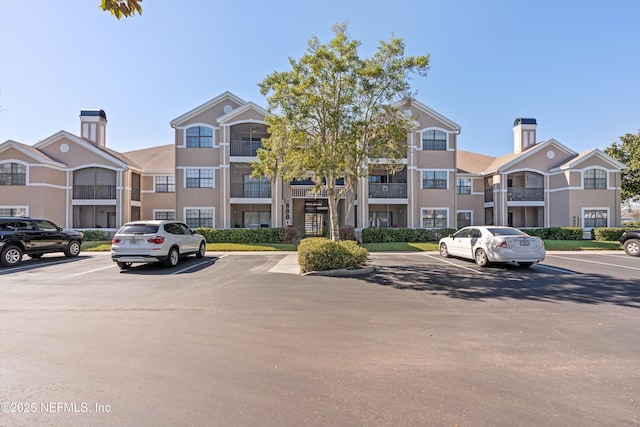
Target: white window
[
  {"x": 463, "y": 186},
  {"x": 13, "y": 211},
  {"x": 199, "y": 178},
  {"x": 435, "y": 179},
  {"x": 199, "y": 137},
  {"x": 595, "y": 217},
  {"x": 160, "y": 214},
  {"x": 435, "y": 217},
  {"x": 165, "y": 184},
  {"x": 594, "y": 179},
  {"x": 199, "y": 217},
  {"x": 434, "y": 140},
  {"x": 464, "y": 219}
]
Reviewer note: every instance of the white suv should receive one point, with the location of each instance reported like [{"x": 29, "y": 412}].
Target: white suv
[{"x": 155, "y": 241}]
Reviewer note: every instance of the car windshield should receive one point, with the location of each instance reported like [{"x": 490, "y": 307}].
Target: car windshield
[
  {"x": 497, "y": 231},
  {"x": 138, "y": 229}
]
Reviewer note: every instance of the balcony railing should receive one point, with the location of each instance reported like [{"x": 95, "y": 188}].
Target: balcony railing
[
  {"x": 245, "y": 148},
  {"x": 94, "y": 192},
  {"x": 523, "y": 194},
  {"x": 387, "y": 191},
  {"x": 255, "y": 190}
]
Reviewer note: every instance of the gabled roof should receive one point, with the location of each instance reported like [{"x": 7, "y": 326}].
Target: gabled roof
[
  {"x": 160, "y": 159},
  {"x": 435, "y": 114},
  {"x": 203, "y": 107},
  {"x": 575, "y": 161},
  {"x": 246, "y": 107},
  {"x": 468, "y": 162},
  {"x": 508, "y": 160},
  {"x": 30, "y": 151},
  {"x": 106, "y": 153}
]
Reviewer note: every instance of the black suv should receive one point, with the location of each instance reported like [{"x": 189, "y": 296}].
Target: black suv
[
  {"x": 34, "y": 237},
  {"x": 630, "y": 240}
]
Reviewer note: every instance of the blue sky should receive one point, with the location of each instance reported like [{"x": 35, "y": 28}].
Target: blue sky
[{"x": 572, "y": 65}]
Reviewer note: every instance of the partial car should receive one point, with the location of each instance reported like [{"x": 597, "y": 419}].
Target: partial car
[
  {"x": 35, "y": 237},
  {"x": 155, "y": 241},
  {"x": 493, "y": 244},
  {"x": 630, "y": 241}
]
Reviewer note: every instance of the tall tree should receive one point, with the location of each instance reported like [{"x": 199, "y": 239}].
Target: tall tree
[
  {"x": 120, "y": 8},
  {"x": 333, "y": 113},
  {"x": 627, "y": 151}
]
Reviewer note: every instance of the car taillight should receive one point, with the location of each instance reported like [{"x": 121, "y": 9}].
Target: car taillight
[
  {"x": 158, "y": 240},
  {"x": 115, "y": 240},
  {"x": 502, "y": 245}
]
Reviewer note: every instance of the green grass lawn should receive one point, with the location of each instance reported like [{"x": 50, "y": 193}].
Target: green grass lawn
[{"x": 550, "y": 245}]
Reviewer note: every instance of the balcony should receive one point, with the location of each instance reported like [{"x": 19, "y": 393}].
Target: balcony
[
  {"x": 387, "y": 190},
  {"x": 253, "y": 190},
  {"x": 488, "y": 196},
  {"x": 524, "y": 194},
  {"x": 245, "y": 148},
  {"x": 94, "y": 192}
]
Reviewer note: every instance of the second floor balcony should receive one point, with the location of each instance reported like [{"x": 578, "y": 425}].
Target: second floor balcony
[
  {"x": 94, "y": 192},
  {"x": 245, "y": 148},
  {"x": 254, "y": 190},
  {"x": 387, "y": 190},
  {"x": 525, "y": 194}
]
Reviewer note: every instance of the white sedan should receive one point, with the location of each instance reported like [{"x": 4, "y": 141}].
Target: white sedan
[{"x": 487, "y": 244}]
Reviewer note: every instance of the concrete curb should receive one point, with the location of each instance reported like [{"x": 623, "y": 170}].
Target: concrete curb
[{"x": 342, "y": 272}]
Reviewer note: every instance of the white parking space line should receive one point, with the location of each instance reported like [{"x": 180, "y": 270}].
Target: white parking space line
[
  {"x": 191, "y": 267},
  {"x": 595, "y": 262},
  {"x": 92, "y": 271},
  {"x": 452, "y": 263},
  {"x": 558, "y": 269}
]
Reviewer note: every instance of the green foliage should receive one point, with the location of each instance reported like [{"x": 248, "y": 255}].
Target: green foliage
[
  {"x": 608, "y": 234},
  {"x": 628, "y": 152},
  {"x": 288, "y": 235},
  {"x": 383, "y": 235},
  {"x": 347, "y": 232},
  {"x": 555, "y": 233},
  {"x": 95, "y": 235},
  {"x": 320, "y": 254},
  {"x": 333, "y": 111},
  {"x": 241, "y": 235},
  {"x": 120, "y": 8}
]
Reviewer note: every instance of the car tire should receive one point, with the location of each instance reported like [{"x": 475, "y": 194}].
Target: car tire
[
  {"x": 444, "y": 251},
  {"x": 481, "y": 258},
  {"x": 10, "y": 256},
  {"x": 123, "y": 265},
  {"x": 632, "y": 247},
  {"x": 72, "y": 249},
  {"x": 525, "y": 264},
  {"x": 202, "y": 250},
  {"x": 172, "y": 258}
]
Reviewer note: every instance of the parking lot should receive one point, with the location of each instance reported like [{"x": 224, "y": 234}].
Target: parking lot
[{"x": 241, "y": 339}]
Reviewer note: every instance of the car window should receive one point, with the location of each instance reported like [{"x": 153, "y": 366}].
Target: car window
[
  {"x": 138, "y": 229},
  {"x": 172, "y": 228},
  {"x": 497, "y": 231},
  {"x": 7, "y": 225},
  {"x": 475, "y": 233},
  {"x": 462, "y": 233},
  {"x": 45, "y": 225},
  {"x": 24, "y": 225},
  {"x": 185, "y": 229}
]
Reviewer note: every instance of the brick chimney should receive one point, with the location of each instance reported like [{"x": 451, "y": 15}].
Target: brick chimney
[
  {"x": 524, "y": 134},
  {"x": 93, "y": 126}
]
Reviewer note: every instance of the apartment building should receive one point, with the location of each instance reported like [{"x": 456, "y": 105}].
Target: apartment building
[{"x": 204, "y": 178}]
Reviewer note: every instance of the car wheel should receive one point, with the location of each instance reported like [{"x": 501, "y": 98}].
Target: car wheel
[
  {"x": 632, "y": 247},
  {"x": 123, "y": 265},
  {"x": 35, "y": 256},
  {"x": 202, "y": 250},
  {"x": 72, "y": 249},
  {"x": 525, "y": 264},
  {"x": 10, "y": 256},
  {"x": 172, "y": 258},
  {"x": 481, "y": 258},
  {"x": 444, "y": 251}
]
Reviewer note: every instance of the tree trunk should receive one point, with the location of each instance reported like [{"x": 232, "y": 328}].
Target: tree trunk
[{"x": 333, "y": 199}]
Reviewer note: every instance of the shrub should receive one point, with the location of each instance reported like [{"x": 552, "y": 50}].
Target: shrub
[
  {"x": 241, "y": 235},
  {"x": 384, "y": 235},
  {"x": 288, "y": 235},
  {"x": 347, "y": 232},
  {"x": 95, "y": 235},
  {"x": 321, "y": 254},
  {"x": 608, "y": 234},
  {"x": 555, "y": 233}
]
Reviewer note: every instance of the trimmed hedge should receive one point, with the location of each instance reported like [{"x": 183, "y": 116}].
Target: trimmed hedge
[
  {"x": 96, "y": 235},
  {"x": 411, "y": 235},
  {"x": 555, "y": 233},
  {"x": 321, "y": 254},
  {"x": 608, "y": 234},
  {"x": 241, "y": 235}
]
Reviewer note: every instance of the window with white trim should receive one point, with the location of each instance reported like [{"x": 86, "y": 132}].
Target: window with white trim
[
  {"x": 199, "y": 217},
  {"x": 596, "y": 218},
  {"x": 594, "y": 179},
  {"x": 13, "y": 211},
  {"x": 199, "y": 137},
  {"x": 165, "y": 184},
  {"x": 168, "y": 215},
  {"x": 434, "y": 140},
  {"x": 13, "y": 174},
  {"x": 463, "y": 219},
  {"x": 434, "y": 179},
  {"x": 434, "y": 218},
  {"x": 463, "y": 186},
  {"x": 199, "y": 178}
]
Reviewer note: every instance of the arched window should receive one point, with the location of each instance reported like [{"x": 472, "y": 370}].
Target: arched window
[
  {"x": 13, "y": 174},
  {"x": 434, "y": 140},
  {"x": 595, "y": 179},
  {"x": 199, "y": 136}
]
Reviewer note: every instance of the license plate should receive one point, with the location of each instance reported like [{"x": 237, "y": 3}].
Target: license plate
[
  {"x": 525, "y": 243},
  {"x": 134, "y": 242}
]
